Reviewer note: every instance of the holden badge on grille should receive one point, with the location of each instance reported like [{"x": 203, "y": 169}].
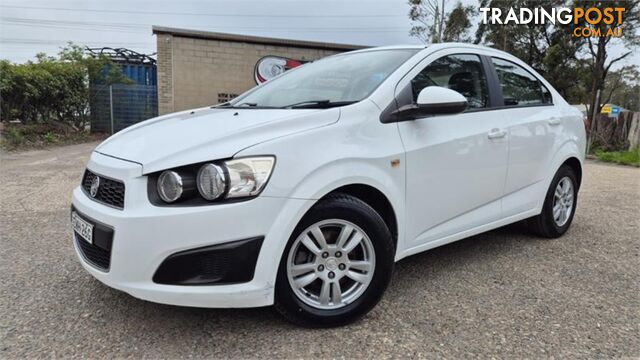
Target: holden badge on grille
[{"x": 95, "y": 184}]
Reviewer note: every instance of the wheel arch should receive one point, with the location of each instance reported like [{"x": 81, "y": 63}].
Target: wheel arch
[
  {"x": 374, "y": 198},
  {"x": 576, "y": 166},
  {"x": 567, "y": 154}
]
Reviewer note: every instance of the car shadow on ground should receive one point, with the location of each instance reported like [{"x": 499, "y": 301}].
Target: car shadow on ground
[{"x": 420, "y": 271}]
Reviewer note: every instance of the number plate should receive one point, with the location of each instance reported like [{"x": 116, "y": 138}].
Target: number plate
[{"x": 82, "y": 227}]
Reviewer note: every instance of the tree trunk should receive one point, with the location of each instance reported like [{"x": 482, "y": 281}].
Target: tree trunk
[
  {"x": 441, "y": 23},
  {"x": 597, "y": 79}
]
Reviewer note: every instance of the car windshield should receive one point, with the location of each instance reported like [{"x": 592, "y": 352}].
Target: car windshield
[{"x": 333, "y": 81}]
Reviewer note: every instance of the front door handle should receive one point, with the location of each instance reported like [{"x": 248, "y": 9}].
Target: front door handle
[
  {"x": 497, "y": 133},
  {"x": 554, "y": 121}
]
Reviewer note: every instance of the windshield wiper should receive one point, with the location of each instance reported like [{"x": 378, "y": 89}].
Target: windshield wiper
[
  {"x": 322, "y": 104},
  {"x": 245, "y": 105},
  {"x": 228, "y": 105}
]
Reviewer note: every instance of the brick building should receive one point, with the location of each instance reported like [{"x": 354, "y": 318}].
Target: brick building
[{"x": 199, "y": 68}]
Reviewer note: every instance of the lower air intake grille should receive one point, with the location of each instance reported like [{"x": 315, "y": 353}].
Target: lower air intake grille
[
  {"x": 228, "y": 263},
  {"x": 93, "y": 254}
]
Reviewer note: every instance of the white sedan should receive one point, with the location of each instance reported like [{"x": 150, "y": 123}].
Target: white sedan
[{"x": 303, "y": 192}]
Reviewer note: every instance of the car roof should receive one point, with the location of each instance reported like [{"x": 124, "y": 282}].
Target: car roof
[
  {"x": 441, "y": 46},
  {"x": 391, "y": 47},
  {"x": 434, "y": 47}
]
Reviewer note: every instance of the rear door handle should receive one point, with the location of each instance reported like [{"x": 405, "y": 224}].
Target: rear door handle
[
  {"x": 554, "y": 121},
  {"x": 497, "y": 133}
]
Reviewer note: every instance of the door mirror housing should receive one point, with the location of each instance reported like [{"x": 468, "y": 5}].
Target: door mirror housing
[
  {"x": 436, "y": 100},
  {"x": 432, "y": 100}
]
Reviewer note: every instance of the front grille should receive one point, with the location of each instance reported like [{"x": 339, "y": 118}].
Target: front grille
[
  {"x": 110, "y": 192},
  {"x": 93, "y": 254}
]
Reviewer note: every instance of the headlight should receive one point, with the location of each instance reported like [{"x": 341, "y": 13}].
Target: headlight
[
  {"x": 214, "y": 181},
  {"x": 247, "y": 176},
  {"x": 170, "y": 186},
  {"x": 211, "y": 181}
]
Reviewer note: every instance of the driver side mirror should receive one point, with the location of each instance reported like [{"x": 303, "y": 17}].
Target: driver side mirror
[
  {"x": 436, "y": 100},
  {"x": 432, "y": 100}
]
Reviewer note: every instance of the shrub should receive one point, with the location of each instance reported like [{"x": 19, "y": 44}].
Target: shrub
[
  {"x": 13, "y": 137},
  {"x": 18, "y": 136},
  {"x": 50, "y": 137},
  {"x": 53, "y": 89},
  {"x": 631, "y": 157}
]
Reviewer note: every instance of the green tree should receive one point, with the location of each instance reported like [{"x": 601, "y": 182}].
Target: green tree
[
  {"x": 622, "y": 87},
  {"x": 550, "y": 49},
  {"x": 528, "y": 42},
  {"x": 428, "y": 17},
  {"x": 458, "y": 24},
  {"x": 599, "y": 48},
  {"x": 562, "y": 67}
]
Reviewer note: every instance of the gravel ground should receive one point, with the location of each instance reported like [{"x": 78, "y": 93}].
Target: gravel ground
[{"x": 501, "y": 294}]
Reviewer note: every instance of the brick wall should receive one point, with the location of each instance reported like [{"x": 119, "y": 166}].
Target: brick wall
[
  {"x": 165, "y": 73},
  {"x": 192, "y": 71}
]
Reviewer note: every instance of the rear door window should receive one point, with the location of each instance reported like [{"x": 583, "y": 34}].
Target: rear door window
[{"x": 520, "y": 87}]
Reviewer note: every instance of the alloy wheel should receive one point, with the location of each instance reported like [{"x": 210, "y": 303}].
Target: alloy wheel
[
  {"x": 563, "y": 201},
  {"x": 330, "y": 264}
]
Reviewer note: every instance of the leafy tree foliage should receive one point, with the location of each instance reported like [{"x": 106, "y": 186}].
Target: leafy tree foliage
[
  {"x": 528, "y": 42},
  {"x": 53, "y": 89},
  {"x": 599, "y": 48},
  {"x": 432, "y": 23},
  {"x": 622, "y": 87},
  {"x": 429, "y": 20},
  {"x": 458, "y": 24}
]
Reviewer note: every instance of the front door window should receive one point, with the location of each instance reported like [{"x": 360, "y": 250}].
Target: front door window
[{"x": 462, "y": 73}]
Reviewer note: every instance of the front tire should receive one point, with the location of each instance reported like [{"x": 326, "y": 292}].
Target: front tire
[
  {"x": 336, "y": 265},
  {"x": 559, "y": 205}
]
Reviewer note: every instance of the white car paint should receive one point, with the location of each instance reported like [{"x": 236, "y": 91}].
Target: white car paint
[
  {"x": 459, "y": 175},
  {"x": 205, "y": 134}
]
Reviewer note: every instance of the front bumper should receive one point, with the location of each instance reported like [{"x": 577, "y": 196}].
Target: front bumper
[{"x": 145, "y": 235}]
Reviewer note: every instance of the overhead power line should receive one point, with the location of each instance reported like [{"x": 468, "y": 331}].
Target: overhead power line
[
  {"x": 202, "y": 14},
  {"x": 69, "y": 22},
  {"x": 16, "y": 41},
  {"x": 138, "y": 27}
]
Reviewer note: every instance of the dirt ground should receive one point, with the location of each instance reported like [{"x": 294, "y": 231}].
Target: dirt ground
[{"x": 502, "y": 294}]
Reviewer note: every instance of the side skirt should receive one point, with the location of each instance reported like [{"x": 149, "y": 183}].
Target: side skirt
[{"x": 467, "y": 233}]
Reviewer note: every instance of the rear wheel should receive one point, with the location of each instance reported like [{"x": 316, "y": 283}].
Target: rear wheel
[
  {"x": 336, "y": 265},
  {"x": 559, "y": 205}
]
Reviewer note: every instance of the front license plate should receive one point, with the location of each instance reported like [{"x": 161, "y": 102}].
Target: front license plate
[{"x": 82, "y": 227}]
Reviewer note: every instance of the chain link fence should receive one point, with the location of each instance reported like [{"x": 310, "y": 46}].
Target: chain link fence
[{"x": 115, "y": 107}]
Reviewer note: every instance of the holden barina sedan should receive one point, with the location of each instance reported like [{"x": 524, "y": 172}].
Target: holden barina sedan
[{"x": 304, "y": 191}]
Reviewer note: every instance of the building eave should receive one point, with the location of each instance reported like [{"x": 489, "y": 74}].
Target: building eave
[{"x": 253, "y": 39}]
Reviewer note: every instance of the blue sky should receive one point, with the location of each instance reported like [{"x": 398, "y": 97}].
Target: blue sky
[{"x": 29, "y": 27}]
